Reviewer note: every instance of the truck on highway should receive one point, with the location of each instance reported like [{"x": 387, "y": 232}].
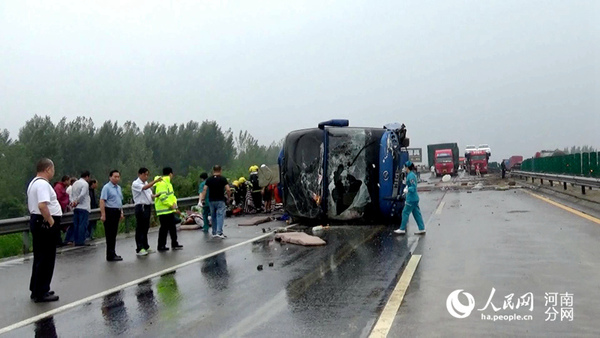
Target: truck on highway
[
  {"x": 513, "y": 161},
  {"x": 449, "y": 148},
  {"x": 477, "y": 159},
  {"x": 443, "y": 162}
]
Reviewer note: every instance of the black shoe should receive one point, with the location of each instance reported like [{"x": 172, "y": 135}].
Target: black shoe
[
  {"x": 116, "y": 258},
  {"x": 163, "y": 248},
  {"x": 177, "y": 247},
  {"x": 46, "y": 298},
  {"x": 49, "y": 293}
]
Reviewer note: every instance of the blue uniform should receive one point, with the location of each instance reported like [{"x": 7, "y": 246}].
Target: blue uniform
[{"x": 411, "y": 204}]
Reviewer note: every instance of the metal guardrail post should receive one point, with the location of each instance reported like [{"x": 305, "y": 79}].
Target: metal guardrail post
[
  {"x": 584, "y": 182},
  {"x": 26, "y": 244}
]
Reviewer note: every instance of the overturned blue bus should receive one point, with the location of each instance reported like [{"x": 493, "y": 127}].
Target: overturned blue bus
[{"x": 339, "y": 173}]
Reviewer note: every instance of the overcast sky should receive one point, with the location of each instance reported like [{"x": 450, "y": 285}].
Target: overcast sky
[{"x": 519, "y": 75}]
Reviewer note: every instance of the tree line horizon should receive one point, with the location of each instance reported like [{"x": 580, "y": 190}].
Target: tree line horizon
[{"x": 77, "y": 145}]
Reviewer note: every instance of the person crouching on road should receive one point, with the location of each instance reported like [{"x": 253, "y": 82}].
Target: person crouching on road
[
  {"x": 411, "y": 205},
  {"x": 166, "y": 208},
  {"x": 216, "y": 187}
]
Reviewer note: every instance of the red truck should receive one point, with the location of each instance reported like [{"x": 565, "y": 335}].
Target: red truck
[
  {"x": 477, "y": 159},
  {"x": 444, "y": 162},
  {"x": 514, "y": 161}
]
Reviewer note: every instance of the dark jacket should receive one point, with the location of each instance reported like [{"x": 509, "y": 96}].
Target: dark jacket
[{"x": 93, "y": 200}]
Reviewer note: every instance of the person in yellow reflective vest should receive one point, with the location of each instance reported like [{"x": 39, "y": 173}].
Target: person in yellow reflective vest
[{"x": 166, "y": 206}]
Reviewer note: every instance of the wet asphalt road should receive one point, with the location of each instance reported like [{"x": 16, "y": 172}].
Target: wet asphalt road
[
  {"x": 336, "y": 289},
  {"x": 476, "y": 241},
  {"x": 84, "y": 271},
  {"x": 516, "y": 244}
]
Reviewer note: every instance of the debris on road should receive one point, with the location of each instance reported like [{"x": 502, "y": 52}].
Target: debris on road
[
  {"x": 300, "y": 238},
  {"x": 256, "y": 221},
  {"x": 319, "y": 229},
  {"x": 259, "y": 268},
  {"x": 271, "y": 264}
]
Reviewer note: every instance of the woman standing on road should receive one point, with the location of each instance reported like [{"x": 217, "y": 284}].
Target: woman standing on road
[{"x": 411, "y": 205}]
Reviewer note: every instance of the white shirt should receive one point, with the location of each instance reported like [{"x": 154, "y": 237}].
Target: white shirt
[
  {"x": 81, "y": 194},
  {"x": 39, "y": 191},
  {"x": 141, "y": 196}
]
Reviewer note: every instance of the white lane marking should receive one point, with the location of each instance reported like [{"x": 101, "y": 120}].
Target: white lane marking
[
  {"x": 384, "y": 324},
  {"x": 440, "y": 208},
  {"x": 12, "y": 262},
  {"x": 126, "y": 285}
]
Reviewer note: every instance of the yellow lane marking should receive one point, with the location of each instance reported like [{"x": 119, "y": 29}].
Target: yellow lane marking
[
  {"x": 384, "y": 324},
  {"x": 439, "y": 209},
  {"x": 564, "y": 207}
]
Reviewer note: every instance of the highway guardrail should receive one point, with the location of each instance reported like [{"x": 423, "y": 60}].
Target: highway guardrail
[
  {"x": 21, "y": 224},
  {"x": 583, "y": 182}
]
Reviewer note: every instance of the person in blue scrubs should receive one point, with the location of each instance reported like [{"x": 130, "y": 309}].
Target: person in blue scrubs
[{"x": 411, "y": 205}]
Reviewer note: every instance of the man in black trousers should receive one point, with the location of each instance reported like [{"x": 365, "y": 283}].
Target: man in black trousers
[
  {"x": 44, "y": 223},
  {"x": 111, "y": 213},
  {"x": 143, "y": 200}
]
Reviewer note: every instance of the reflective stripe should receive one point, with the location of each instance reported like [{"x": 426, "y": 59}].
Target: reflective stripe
[{"x": 166, "y": 198}]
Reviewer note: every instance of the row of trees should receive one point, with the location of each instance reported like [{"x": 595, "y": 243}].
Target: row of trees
[
  {"x": 579, "y": 150},
  {"x": 78, "y": 145}
]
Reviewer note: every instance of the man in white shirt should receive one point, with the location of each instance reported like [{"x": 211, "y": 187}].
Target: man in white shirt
[
  {"x": 80, "y": 201},
  {"x": 143, "y": 200},
  {"x": 69, "y": 189},
  {"x": 45, "y": 215}
]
